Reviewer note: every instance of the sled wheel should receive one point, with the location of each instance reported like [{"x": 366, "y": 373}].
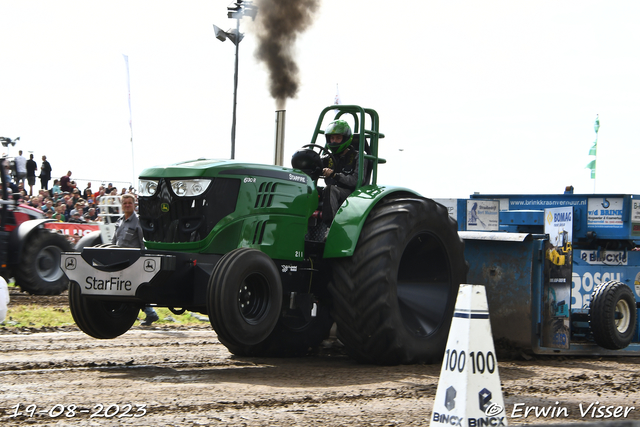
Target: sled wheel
[
  {"x": 291, "y": 337},
  {"x": 394, "y": 298},
  {"x": 613, "y": 315},
  {"x": 101, "y": 319},
  {"x": 244, "y": 297},
  {"x": 39, "y": 271}
]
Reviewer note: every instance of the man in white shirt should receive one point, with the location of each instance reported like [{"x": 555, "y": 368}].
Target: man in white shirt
[{"x": 21, "y": 168}]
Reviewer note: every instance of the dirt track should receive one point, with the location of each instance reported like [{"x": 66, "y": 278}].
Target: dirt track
[{"x": 185, "y": 377}]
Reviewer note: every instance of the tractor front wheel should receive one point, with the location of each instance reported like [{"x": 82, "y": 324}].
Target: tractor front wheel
[
  {"x": 394, "y": 298},
  {"x": 244, "y": 298}
]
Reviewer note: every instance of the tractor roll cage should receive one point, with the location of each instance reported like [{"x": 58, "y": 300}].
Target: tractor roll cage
[{"x": 366, "y": 154}]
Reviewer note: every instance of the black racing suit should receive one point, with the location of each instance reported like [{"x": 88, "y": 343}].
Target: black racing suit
[{"x": 340, "y": 184}]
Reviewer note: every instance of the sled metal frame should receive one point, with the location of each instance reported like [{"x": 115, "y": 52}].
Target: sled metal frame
[{"x": 511, "y": 266}]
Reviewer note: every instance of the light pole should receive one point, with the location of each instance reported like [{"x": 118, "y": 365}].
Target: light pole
[
  {"x": 8, "y": 141},
  {"x": 236, "y": 11}
]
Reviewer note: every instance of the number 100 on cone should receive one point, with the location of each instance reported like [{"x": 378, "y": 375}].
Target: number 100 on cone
[{"x": 469, "y": 390}]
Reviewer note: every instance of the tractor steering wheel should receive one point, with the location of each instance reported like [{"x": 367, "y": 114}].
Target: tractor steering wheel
[{"x": 322, "y": 150}]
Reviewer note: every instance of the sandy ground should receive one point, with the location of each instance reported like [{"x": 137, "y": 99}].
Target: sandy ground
[{"x": 179, "y": 376}]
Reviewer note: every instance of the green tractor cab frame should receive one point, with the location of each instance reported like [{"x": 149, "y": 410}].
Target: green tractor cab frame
[
  {"x": 351, "y": 216},
  {"x": 367, "y": 138}
]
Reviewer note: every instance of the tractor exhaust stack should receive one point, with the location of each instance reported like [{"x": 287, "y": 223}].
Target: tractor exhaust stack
[{"x": 279, "y": 151}]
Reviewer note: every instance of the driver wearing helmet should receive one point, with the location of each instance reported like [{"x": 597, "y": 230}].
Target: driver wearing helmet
[{"x": 341, "y": 178}]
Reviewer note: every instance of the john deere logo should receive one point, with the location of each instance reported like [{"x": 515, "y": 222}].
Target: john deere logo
[{"x": 164, "y": 207}]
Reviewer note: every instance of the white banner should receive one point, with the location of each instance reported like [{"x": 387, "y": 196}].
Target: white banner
[
  {"x": 483, "y": 215},
  {"x": 605, "y": 212}
]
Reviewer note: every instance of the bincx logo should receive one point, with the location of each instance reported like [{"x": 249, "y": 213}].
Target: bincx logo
[
  {"x": 450, "y": 398},
  {"x": 484, "y": 399}
]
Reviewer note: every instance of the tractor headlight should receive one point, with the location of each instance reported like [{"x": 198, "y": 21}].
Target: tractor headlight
[
  {"x": 147, "y": 187},
  {"x": 189, "y": 187}
]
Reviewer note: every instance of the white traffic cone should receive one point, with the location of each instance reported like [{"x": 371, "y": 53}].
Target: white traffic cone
[{"x": 469, "y": 390}]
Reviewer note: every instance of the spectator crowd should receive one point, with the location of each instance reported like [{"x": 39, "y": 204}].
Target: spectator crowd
[{"x": 64, "y": 201}]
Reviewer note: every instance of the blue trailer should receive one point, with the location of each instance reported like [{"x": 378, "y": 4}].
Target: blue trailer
[{"x": 562, "y": 271}]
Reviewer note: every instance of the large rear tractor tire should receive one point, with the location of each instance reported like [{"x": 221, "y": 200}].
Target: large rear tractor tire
[
  {"x": 394, "y": 298},
  {"x": 101, "y": 319},
  {"x": 244, "y": 299},
  {"x": 613, "y": 315},
  {"x": 39, "y": 271}
]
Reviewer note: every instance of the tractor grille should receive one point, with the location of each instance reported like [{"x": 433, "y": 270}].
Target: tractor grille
[
  {"x": 167, "y": 218},
  {"x": 258, "y": 232},
  {"x": 264, "y": 198}
]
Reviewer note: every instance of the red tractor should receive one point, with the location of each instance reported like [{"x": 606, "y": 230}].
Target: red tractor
[{"x": 29, "y": 252}]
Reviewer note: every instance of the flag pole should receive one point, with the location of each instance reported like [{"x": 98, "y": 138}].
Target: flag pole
[
  {"x": 133, "y": 172},
  {"x": 594, "y": 152},
  {"x": 596, "y": 127},
  {"x": 336, "y": 100}
]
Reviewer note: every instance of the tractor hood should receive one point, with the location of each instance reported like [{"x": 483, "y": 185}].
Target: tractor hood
[
  {"x": 214, "y": 206},
  {"x": 210, "y": 168}
]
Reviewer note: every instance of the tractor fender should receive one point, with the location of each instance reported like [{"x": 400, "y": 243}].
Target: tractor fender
[
  {"x": 20, "y": 235},
  {"x": 347, "y": 224}
]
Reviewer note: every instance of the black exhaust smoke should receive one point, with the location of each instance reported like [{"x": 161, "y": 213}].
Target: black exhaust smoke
[{"x": 278, "y": 24}]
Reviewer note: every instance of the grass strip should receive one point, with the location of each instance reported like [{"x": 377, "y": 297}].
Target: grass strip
[{"x": 36, "y": 316}]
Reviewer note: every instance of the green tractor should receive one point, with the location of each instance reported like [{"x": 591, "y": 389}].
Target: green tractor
[{"x": 244, "y": 244}]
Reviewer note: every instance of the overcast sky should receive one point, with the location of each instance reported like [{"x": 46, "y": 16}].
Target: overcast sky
[{"x": 490, "y": 97}]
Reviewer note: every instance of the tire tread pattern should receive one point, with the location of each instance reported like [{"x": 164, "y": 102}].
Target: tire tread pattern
[{"x": 364, "y": 285}]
